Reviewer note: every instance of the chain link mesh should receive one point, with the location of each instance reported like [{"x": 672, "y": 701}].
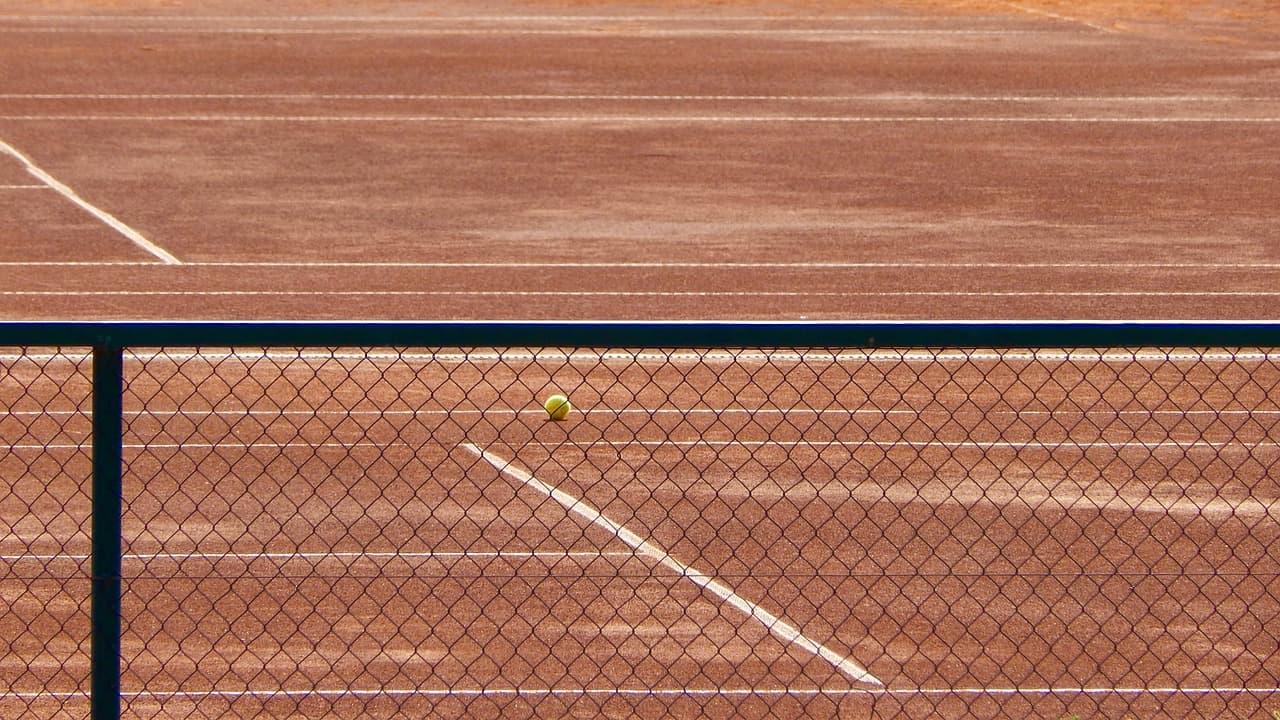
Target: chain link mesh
[
  {"x": 745, "y": 533},
  {"x": 45, "y": 399}
]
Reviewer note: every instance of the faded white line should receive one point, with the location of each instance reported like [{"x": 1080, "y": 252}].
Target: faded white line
[
  {"x": 882, "y": 97},
  {"x": 1129, "y": 690},
  {"x": 24, "y": 187},
  {"x": 1059, "y": 443},
  {"x": 1047, "y": 444},
  {"x": 1056, "y": 16},
  {"x": 439, "y": 19},
  {"x": 1061, "y": 492},
  {"x": 636, "y": 293},
  {"x": 644, "y": 119},
  {"x": 343, "y": 556},
  {"x": 673, "y": 692},
  {"x": 133, "y": 235},
  {"x": 692, "y": 264},
  {"x": 610, "y": 31},
  {"x": 647, "y": 412},
  {"x": 775, "y": 625}
]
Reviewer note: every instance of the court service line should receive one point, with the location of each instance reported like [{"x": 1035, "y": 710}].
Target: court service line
[
  {"x": 693, "y": 264},
  {"x": 648, "y": 119},
  {"x": 1000, "y": 491},
  {"x": 608, "y": 32},
  {"x": 674, "y": 692},
  {"x": 438, "y": 19},
  {"x": 640, "y": 293},
  {"x": 345, "y": 556},
  {"x": 1063, "y": 443},
  {"x": 648, "y": 412},
  {"x": 869, "y": 97},
  {"x": 133, "y": 235},
  {"x": 776, "y": 626},
  {"x": 1055, "y": 444},
  {"x": 26, "y": 187}
]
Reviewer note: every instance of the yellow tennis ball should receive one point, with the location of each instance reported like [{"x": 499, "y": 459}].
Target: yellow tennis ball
[{"x": 557, "y": 406}]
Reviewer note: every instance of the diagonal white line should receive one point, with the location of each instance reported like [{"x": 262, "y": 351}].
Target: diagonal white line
[
  {"x": 102, "y": 215},
  {"x": 1056, "y": 16},
  {"x": 774, "y": 624}
]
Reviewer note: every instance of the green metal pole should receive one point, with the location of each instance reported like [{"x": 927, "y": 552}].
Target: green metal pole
[{"x": 104, "y": 605}]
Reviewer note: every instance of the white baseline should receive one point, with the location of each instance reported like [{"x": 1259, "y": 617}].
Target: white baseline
[
  {"x": 644, "y": 119},
  {"x": 644, "y": 692}
]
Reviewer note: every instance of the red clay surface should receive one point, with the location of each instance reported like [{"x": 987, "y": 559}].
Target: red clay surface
[
  {"x": 992, "y": 536},
  {"x": 309, "y": 537},
  {"x": 787, "y": 160}
]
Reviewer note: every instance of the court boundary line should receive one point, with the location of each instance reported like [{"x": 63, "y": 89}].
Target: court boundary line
[
  {"x": 776, "y": 626},
  {"x": 444, "y": 411},
  {"x": 644, "y": 119},
  {"x": 610, "y": 33},
  {"x": 649, "y": 692},
  {"x": 865, "y": 97},
  {"x": 103, "y": 216},
  {"x": 1049, "y": 445},
  {"x": 437, "y": 19},
  {"x": 772, "y": 265},
  {"x": 334, "y": 555},
  {"x": 638, "y": 293}
]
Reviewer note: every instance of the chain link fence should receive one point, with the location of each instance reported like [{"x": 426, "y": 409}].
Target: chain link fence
[{"x": 712, "y": 532}]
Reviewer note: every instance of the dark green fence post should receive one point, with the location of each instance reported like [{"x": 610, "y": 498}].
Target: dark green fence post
[{"x": 104, "y": 607}]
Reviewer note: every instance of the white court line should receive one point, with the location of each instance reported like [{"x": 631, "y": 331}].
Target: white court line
[
  {"x": 668, "y": 264},
  {"x": 637, "y": 293},
  {"x": 882, "y": 97},
  {"x": 647, "y": 412},
  {"x": 645, "y": 119},
  {"x": 98, "y": 213},
  {"x": 610, "y": 31},
  {"x": 25, "y": 187},
  {"x": 437, "y": 19},
  {"x": 502, "y": 554},
  {"x": 675, "y": 692},
  {"x": 1064, "y": 492},
  {"x": 850, "y": 445},
  {"x": 776, "y": 626},
  {"x": 1046, "y": 444},
  {"x": 1056, "y": 16}
]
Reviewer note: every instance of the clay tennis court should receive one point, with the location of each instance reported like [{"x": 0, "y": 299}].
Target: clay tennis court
[
  {"x": 729, "y": 160},
  {"x": 774, "y": 533}
]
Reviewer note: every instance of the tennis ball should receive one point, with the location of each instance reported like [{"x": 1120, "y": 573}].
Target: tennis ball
[{"x": 557, "y": 406}]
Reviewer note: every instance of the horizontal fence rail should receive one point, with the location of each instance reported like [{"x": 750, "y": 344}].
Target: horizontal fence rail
[
  {"x": 879, "y": 520},
  {"x": 1009, "y": 334}
]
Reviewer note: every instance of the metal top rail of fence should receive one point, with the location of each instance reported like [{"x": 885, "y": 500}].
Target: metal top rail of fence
[
  {"x": 755, "y": 519},
  {"x": 998, "y": 334}
]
